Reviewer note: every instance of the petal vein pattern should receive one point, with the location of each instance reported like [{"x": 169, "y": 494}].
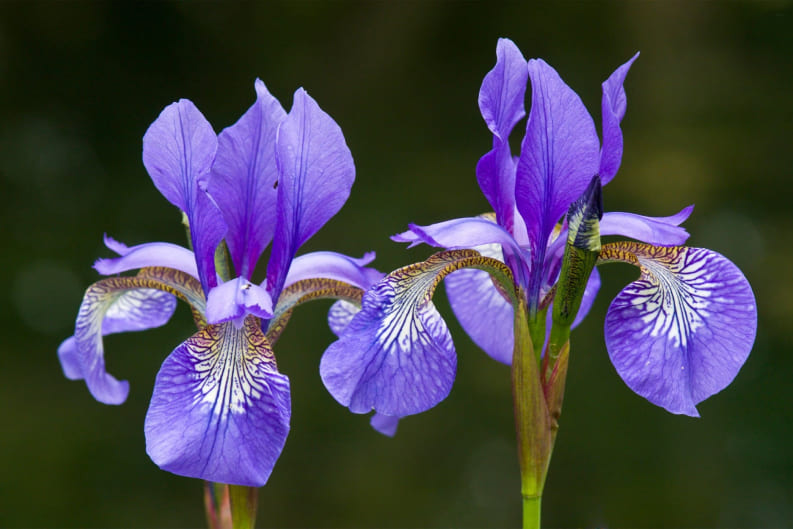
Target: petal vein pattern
[
  {"x": 220, "y": 409},
  {"x": 682, "y": 331}
]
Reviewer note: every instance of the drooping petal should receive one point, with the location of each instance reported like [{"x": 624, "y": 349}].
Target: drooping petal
[
  {"x": 235, "y": 299},
  {"x": 316, "y": 175},
  {"x": 682, "y": 331},
  {"x": 220, "y": 409},
  {"x": 385, "y": 424},
  {"x": 109, "y": 306},
  {"x": 559, "y": 155},
  {"x": 612, "y": 107},
  {"x": 481, "y": 309},
  {"x": 332, "y": 265},
  {"x": 145, "y": 255},
  {"x": 661, "y": 231},
  {"x": 501, "y": 104},
  {"x": 245, "y": 178},
  {"x": 178, "y": 150}
]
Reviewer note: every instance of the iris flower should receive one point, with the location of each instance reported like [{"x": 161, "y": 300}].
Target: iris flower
[
  {"x": 221, "y": 410},
  {"x": 676, "y": 336}
]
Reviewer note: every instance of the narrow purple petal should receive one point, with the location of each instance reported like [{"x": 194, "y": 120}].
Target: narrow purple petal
[
  {"x": 110, "y": 306},
  {"x": 385, "y": 424},
  {"x": 612, "y": 107},
  {"x": 235, "y": 299},
  {"x": 178, "y": 150},
  {"x": 559, "y": 154},
  {"x": 317, "y": 173},
  {"x": 332, "y": 265},
  {"x": 588, "y": 299},
  {"x": 145, "y": 255},
  {"x": 495, "y": 173},
  {"x": 396, "y": 356},
  {"x": 663, "y": 231},
  {"x": 682, "y": 331},
  {"x": 245, "y": 178},
  {"x": 481, "y": 309},
  {"x": 220, "y": 409},
  {"x": 459, "y": 233}
]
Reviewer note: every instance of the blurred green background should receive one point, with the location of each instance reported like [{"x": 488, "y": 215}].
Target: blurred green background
[{"x": 710, "y": 121}]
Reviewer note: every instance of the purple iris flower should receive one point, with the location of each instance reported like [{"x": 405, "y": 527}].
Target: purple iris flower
[
  {"x": 220, "y": 410},
  {"x": 677, "y": 335}
]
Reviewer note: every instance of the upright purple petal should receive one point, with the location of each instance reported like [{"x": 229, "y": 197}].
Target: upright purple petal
[
  {"x": 481, "y": 309},
  {"x": 245, "y": 178},
  {"x": 682, "y": 331},
  {"x": 559, "y": 154},
  {"x": 178, "y": 150},
  {"x": 316, "y": 175},
  {"x": 396, "y": 356},
  {"x": 664, "y": 231},
  {"x": 501, "y": 103},
  {"x": 612, "y": 108},
  {"x": 220, "y": 409}
]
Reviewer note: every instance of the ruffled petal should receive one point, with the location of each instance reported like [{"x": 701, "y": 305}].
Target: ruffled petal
[
  {"x": 178, "y": 150},
  {"x": 145, "y": 255},
  {"x": 385, "y": 424},
  {"x": 110, "y": 306},
  {"x": 316, "y": 175},
  {"x": 245, "y": 179},
  {"x": 559, "y": 155},
  {"x": 396, "y": 356},
  {"x": 332, "y": 265},
  {"x": 612, "y": 107},
  {"x": 661, "y": 231},
  {"x": 682, "y": 331},
  {"x": 481, "y": 309},
  {"x": 235, "y": 299},
  {"x": 220, "y": 409}
]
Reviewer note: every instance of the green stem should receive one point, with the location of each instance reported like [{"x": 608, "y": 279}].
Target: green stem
[
  {"x": 230, "y": 506},
  {"x": 531, "y": 512}
]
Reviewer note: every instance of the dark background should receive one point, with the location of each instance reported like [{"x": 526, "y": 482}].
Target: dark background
[{"x": 709, "y": 122}]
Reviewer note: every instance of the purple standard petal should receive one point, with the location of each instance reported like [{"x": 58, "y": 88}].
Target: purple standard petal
[
  {"x": 317, "y": 173},
  {"x": 146, "y": 255},
  {"x": 682, "y": 331},
  {"x": 481, "y": 309},
  {"x": 235, "y": 299},
  {"x": 501, "y": 104},
  {"x": 178, "y": 150},
  {"x": 109, "y": 306},
  {"x": 332, "y": 265},
  {"x": 245, "y": 178},
  {"x": 396, "y": 356},
  {"x": 220, "y": 409},
  {"x": 612, "y": 107},
  {"x": 662, "y": 231},
  {"x": 559, "y": 155}
]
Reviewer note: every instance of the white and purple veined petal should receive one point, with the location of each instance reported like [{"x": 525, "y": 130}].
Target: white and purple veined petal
[
  {"x": 178, "y": 151},
  {"x": 220, "y": 409},
  {"x": 110, "y": 306},
  {"x": 396, "y": 356},
  {"x": 244, "y": 180},
  {"x": 481, "y": 309},
  {"x": 316, "y": 174},
  {"x": 613, "y": 105},
  {"x": 501, "y": 104},
  {"x": 682, "y": 331},
  {"x": 235, "y": 299}
]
